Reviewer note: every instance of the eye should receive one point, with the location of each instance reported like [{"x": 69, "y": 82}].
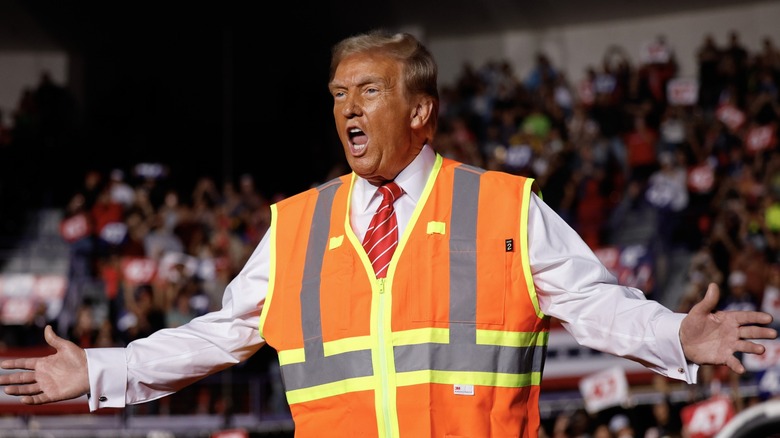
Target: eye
[{"x": 372, "y": 90}]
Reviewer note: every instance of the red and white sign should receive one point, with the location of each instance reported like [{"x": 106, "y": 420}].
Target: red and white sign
[
  {"x": 604, "y": 389},
  {"x": 656, "y": 52},
  {"x": 18, "y": 310},
  {"x": 701, "y": 178},
  {"x": 174, "y": 265},
  {"x": 760, "y": 137},
  {"x": 706, "y": 418},
  {"x": 682, "y": 91},
  {"x": 139, "y": 270},
  {"x": 731, "y": 116},
  {"x": 17, "y": 285},
  {"x": 21, "y": 296},
  {"x": 75, "y": 228},
  {"x": 50, "y": 287}
]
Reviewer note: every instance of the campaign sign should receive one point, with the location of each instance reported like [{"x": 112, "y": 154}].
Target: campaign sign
[
  {"x": 706, "y": 418},
  {"x": 682, "y": 91},
  {"x": 604, "y": 389}
]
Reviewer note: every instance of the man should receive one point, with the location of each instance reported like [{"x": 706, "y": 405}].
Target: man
[{"x": 448, "y": 337}]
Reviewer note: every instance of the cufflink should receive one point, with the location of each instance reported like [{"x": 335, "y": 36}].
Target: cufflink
[
  {"x": 679, "y": 370},
  {"x": 104, "y": 398}
]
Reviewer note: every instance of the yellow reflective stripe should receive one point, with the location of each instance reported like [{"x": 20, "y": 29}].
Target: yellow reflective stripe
[
  {"x": 330, "y": 389},
  {"x": 385, "y": 372},
  {"x": 484, "y": 337},
  {"x": 426, "y": 193},
  {"x": 346, "y": 345},
  {"x": 524, "y": 246},
  {"x": 271, "y": 269},
  {"x": 329, "y": 348},
  {"x": 502, "y": 380},
  {"x": 287, "y": 357},
  {"x": 512, "y": 339},
  {"x": 422, "y": 336}
]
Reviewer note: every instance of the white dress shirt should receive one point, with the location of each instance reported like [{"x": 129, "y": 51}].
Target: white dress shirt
[{"x": 571, "y": 282}]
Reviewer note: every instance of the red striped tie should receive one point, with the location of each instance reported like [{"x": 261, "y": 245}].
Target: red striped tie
[{"x": 382, "y": 235}]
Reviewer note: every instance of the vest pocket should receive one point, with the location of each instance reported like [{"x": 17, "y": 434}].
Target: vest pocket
[
  {"x": 494, "y": 264},
  {"x": 338, "y": 292},
  {"x": 460, "y": 281}
]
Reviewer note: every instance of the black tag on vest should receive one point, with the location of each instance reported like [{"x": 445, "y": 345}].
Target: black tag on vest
[{"x": 509, "y": 245}]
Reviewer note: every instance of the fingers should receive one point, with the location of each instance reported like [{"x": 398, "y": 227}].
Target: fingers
[
  {"x": 749, "y": 347},
  {"x": 18, "y": 378},
  {"x": 25, "y": 387},
  {"x": 743, "y": 318},
  {"x": 757, "y": 332},
  {"x": 735, "y": 365},
  {"x": 37, "y": 399},
  {"x": 18, "y": 364},
  {"x": 23, "y": 390}
]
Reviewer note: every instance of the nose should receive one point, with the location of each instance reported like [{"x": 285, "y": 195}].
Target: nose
[{"x": 351, "y": 108}]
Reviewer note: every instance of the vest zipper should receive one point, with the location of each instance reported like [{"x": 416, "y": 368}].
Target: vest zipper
[{"x": 383, "y": 359}]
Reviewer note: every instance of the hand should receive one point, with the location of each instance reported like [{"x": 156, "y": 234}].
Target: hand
[
  {"x": 60, "y": 376},
  {"x": 714, "y": 338}
]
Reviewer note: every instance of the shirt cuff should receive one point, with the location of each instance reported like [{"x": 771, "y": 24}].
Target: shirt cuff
[
  {"x": 107, "y": 368},
  {"x": 668, "y": 338}
]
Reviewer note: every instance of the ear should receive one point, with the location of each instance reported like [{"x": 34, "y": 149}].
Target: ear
[{"x": 421, "y": 112}]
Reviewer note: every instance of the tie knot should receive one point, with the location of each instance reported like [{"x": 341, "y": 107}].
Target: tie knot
[{"x": 390, "y": 192}]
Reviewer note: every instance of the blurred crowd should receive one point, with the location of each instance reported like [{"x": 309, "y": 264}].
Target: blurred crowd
[{"x": 629, "y": 136}]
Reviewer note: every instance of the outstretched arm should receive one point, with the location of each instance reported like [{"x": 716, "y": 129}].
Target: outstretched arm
[
  {"x": 59, "y": 376},
  {"x": 714, "y": 338}
]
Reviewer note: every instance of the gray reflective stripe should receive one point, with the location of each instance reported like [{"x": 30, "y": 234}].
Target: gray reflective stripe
[
  {"x": 472, "y": 358},
  {"x": 318, "y": 369},
  {"x": 310, "y": 289},
  {"x": 463, "y": 256},
  {"x": 321, "y": 370}
]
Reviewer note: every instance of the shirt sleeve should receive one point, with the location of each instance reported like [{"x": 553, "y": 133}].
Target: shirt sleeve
[
  {"x": 170, "y": 359},
  {"x": 574, "y": 286}
]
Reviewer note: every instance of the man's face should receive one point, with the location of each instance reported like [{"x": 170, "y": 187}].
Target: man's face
[{"x": 373, "y": 116}]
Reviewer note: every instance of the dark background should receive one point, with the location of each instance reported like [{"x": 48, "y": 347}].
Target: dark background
[
  {"x": 224, "y": 88},
  {"x": 218, "y": 90}
]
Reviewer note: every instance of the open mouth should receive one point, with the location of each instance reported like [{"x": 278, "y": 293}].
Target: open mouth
[{"x": 357, "y": 139}]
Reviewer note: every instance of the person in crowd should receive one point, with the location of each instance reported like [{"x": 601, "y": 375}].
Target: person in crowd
[{"x": 444, "y": 336}]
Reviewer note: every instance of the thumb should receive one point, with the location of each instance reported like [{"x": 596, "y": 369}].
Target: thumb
[
  {"x": 709, "y": 302},
  {"x": 52, "y": 338}
]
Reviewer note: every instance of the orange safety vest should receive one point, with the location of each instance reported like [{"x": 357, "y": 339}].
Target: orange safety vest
[{"x": 450, "y": 344}]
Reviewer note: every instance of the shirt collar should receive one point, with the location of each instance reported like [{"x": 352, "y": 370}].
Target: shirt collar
[{"x": 412, "y": 180}]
